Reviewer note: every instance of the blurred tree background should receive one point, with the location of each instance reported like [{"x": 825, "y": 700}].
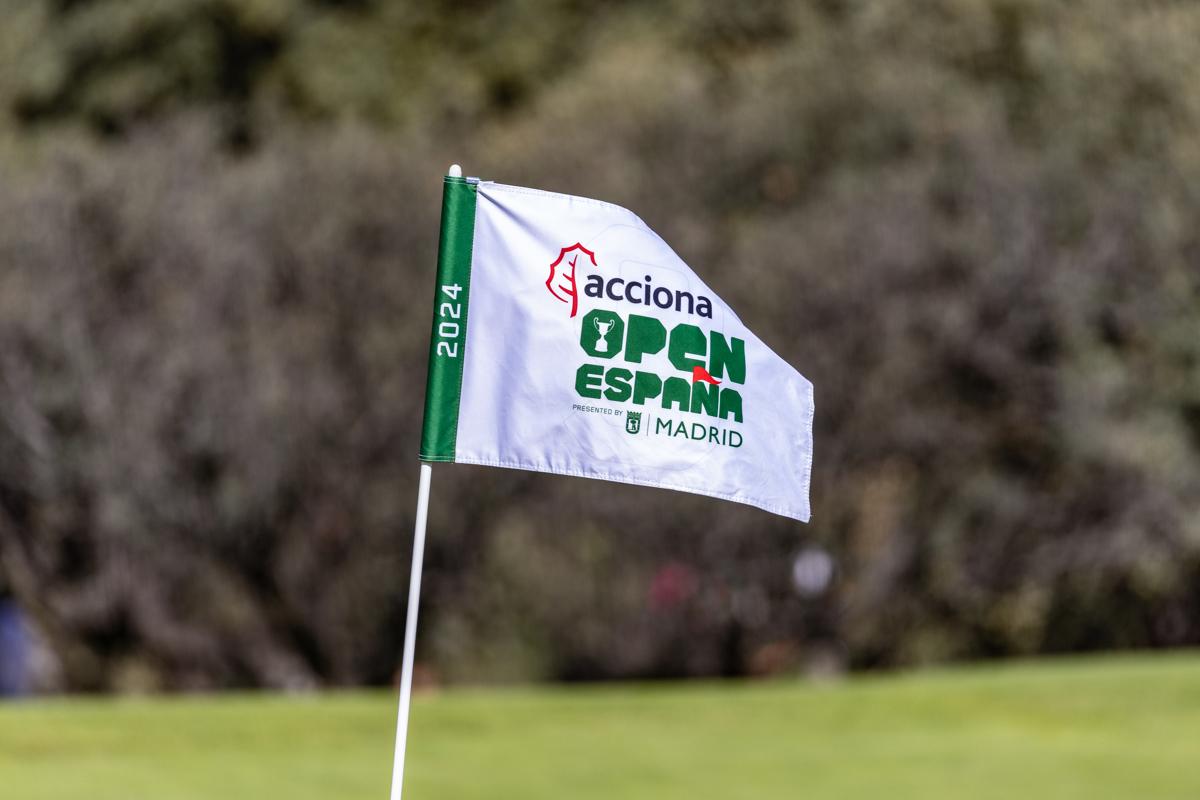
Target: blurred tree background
[{"x": 972, "y": 223}]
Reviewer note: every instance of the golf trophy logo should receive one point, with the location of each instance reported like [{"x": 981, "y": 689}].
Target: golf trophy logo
[
  {"x": 633, "y": 422},
  {"x": 602, "y": 328}
]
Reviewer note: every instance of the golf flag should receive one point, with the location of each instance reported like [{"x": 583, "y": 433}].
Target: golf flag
[{"x": 569, "y": 338}]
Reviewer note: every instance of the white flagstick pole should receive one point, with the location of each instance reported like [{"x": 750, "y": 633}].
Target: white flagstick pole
[
  {"x": 414, "y": 602},
  {"x": 410, "y": 631}
]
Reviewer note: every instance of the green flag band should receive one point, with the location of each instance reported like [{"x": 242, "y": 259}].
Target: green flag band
[{"x": 448, "y": 338}]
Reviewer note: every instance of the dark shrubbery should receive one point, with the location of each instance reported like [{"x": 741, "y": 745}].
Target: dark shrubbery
[{"x": 971, "y": 224}]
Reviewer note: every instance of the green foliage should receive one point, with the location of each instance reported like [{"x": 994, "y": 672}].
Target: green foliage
[
  {"x": 109, "y": 64},
  {"x": 970, "y": 223}
]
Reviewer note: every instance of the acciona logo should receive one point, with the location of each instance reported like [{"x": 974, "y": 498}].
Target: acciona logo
[
  {"x": 561, "y": 281},
  {"x": 563, "y": 284}
]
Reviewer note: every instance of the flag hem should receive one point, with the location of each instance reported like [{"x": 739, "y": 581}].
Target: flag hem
[{"x": 782, "y": 511}]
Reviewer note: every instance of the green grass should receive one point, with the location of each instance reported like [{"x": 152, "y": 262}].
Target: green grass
[{"x": 1109, "y": 728}]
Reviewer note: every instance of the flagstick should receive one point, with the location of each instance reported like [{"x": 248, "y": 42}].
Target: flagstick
[
  {"x": 414, "y": 602},
  {"x": 410, "y": 631}
]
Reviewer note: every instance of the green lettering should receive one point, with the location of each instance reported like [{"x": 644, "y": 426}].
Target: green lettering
[
  {"x": 726, "y": 356},
  {"x": 731, "y": 403},
  {"x": 688, "y": 347},
  {"x": 587, "y": 380},
  {"x": 676, "y": 392},
  {"x": 646, "y": 336},
  {"x": 619, "y": 388},
  {"x": 646, "y": 385},
  {"x": 704, "y": 398}
]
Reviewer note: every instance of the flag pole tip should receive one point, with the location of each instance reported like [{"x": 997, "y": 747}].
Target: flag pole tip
[{"x": 455, "y": 171}]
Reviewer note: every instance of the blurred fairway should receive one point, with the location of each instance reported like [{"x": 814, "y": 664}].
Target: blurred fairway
[{"x": 1111, "y": 728}]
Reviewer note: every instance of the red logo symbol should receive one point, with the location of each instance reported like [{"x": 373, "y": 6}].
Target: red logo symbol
[
  {"x": 561, "y": 281},
  {"x": 699, "y": 373}
]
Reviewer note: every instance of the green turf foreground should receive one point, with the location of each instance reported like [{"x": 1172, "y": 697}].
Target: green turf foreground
[{"x": 1113, "y": 728}]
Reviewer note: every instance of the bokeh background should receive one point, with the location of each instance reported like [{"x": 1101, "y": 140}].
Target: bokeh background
[{"x": 972, "y": 223}]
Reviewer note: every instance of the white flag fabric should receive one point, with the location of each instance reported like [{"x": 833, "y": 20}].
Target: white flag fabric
[{"x": 569, "y": 338}]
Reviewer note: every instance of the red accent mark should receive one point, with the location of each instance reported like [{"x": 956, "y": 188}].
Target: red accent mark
[
  {"x": 566, "y": 284},
  {"x": 701, "y": 374}
]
